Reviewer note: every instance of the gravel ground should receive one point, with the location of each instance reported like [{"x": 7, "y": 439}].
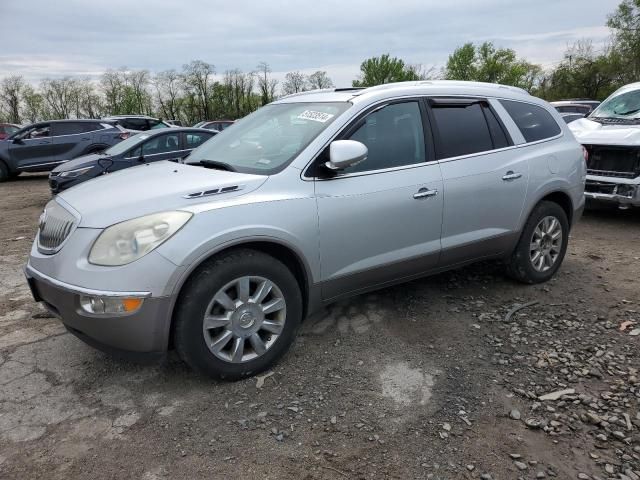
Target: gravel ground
[{"x": 443, "y": 378}]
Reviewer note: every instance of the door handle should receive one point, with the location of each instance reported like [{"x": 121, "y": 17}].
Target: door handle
[
  {"x": 425, "y": 193},
  {"x": 511, "y": 175}
]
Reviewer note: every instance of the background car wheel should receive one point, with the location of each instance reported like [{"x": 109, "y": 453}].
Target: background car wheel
[
  {"x": 237, "y": 315},
  {"x": 4, "y": 172},
  {"x": 542, "y": 245}
]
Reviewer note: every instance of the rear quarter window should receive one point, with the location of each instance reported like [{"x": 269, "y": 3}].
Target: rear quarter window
[{"x": 534, "y": 122}]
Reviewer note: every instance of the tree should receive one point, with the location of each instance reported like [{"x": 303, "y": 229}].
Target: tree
[
  {"x": 168, "y": 87},
  {"x": 386, "y": 69},
  {"x": 485, "y": 63},
  {"x": 59, "y": 97},
  {"x": 267, "y": 86},
  {"x": 294, "y": 82},
  {"x": 11, "y": 89},
  {"x": 625, "y": 23},
  {"x": 319, "y": 80},
  {"x": 197, "y": 77},
  {"x": 32, "y": 104}
]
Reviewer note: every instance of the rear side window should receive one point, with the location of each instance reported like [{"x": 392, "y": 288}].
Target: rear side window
[
  {"x": 196, "y": 139},
  {"x": 534, "y": 122},
  {"x": 67, "y": 128},
  {"x": 462, "y": 129}
]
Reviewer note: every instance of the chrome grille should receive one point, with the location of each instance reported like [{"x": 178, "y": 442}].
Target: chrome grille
[{"x": 56, "y": 223}]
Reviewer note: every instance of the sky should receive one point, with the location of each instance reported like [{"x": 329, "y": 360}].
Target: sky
[{"x": 53, "y": 38}]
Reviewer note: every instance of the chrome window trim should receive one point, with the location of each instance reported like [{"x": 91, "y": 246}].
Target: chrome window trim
[
  {"x": 41, "y": 164},
  {"x": 30, "y": 271},
  {"x": 305, "y": 178},
  {"x": 156, "y": 154}
]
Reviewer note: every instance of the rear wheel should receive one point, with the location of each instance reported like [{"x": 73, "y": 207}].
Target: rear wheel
[
  {"x": 237, "y": 315},
  {"x": 542, "y": 245},
  {"x": 4, "y": 172}
]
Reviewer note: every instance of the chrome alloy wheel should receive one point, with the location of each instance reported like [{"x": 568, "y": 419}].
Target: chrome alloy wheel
[
  {"x": 244, "y": 319},
  {"x": 546, "y": 244}
]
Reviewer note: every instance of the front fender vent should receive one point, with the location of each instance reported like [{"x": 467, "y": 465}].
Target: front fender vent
[{"x": 213, "y": 191}]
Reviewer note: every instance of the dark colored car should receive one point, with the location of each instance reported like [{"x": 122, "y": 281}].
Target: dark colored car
[
  {"x": 151, "y": 146},
  {"x": 141, "y": 123},
  {"x": 42, "y": 146},
  {"x": 218, "y": 125},
  {"x": 571, "y": 117},
  {"x": 576, "y": 105},
  {"x": 175, "y": 123},
  {"x": 7, "y": 129}
]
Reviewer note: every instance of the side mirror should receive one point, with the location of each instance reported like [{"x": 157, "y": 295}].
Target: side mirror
[
  {"x": 141, "y": 158},
  {"x": 18, "y": 141},
  {"x": 346, "y": 153}
]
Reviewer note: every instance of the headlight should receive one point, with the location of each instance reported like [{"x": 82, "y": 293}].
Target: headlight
[
  {"x": 75, "y": 173},
  {"x": 125, "y": 242}
]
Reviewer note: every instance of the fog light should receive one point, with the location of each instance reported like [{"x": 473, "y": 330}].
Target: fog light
[{"x": 105, "y": 305}]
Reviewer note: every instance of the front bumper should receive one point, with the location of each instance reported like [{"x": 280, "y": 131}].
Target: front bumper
[
  {"x": 621, "y": 191},
  {"x": 141, "y": 335}
]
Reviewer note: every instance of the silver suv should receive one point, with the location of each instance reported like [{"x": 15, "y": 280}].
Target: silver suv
[{"x": 313, "y": 198}]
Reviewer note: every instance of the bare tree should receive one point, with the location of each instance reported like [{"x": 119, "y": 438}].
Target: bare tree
[
  {"x": 168, "y": 85},
  {"x": 32, "y": 104},
  {"x": 197, "y": 76},
  {"x": 319, "y": 80},
  {"x": 59, "y": 97},
  {"x": 10, "y": 95},
  {"x": 267, "y": 86},
  {"x": 113, "y": 89},
  {"x": 294, "y": 82}
]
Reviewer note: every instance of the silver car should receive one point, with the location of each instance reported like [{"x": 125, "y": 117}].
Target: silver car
[{"x": 316, "y": 197}]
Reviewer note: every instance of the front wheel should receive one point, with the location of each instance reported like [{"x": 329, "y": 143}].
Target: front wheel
[
  {"x": 237, "y": 315},
  {"x": 542, "y": 245}
]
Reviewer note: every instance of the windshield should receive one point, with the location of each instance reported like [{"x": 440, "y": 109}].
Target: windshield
[
  {"x": 266, "y": 141},
  {"x": 125, "y": 145},
  {"x": 623, "y": 105}
]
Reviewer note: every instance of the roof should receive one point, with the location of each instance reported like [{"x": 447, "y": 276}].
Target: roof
[{"x": 434, "y": 87}]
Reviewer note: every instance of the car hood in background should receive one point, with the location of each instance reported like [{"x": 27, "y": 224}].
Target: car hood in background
[
  {"x": 151, "y": 188},
  {"x": 83, "y": 161},
  {"x": 589, "y": 132}
]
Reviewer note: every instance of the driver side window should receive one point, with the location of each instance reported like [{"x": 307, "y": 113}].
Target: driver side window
[
  {"x": 393, "y": 135},
  {"x": 40, "y": 131}
]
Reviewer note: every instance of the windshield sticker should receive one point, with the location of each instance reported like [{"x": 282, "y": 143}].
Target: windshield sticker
[{"x": 315, "y": 116}]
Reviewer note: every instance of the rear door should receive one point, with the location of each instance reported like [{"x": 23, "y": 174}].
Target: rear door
[
  {"x": 32, "y": 150},
  {"x": 71, "y": 139},
  {"x": 485, "y": 180},
  {"x": 380, "y": 220}
]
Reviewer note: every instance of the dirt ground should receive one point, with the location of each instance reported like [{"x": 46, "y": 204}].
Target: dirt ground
[{"x": 432, "y": 379}]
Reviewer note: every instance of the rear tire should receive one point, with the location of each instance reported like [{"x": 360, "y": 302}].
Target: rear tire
[
  {"x": 226, "y": 326},
  {"x": 542, "y": 245},
  {"x": 4, "y": 172}
]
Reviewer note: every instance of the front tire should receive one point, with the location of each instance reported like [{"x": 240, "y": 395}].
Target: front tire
[
  {"x": 542, "y": 245},
  {"x": 4, "y": 172},
  {"x": 237, "y": 315}
]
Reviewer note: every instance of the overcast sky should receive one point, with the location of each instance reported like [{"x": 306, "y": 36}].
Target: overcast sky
[{"x": 49, "y": 38}]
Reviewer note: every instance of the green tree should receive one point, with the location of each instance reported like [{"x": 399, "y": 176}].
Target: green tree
[
  {"x": 11, "y": 89},
  {"x": 386, "y": 69},
  {"x": 625, "y": 23},
  {"x": 486, "y": 63}
]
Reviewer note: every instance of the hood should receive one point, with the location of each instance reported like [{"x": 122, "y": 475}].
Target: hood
[
  {"x": 83, "y": 161},
  {"x": 589, "y": 132},
  {"x": 150, "y": 188}
]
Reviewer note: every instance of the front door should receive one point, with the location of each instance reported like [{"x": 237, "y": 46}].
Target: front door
[
  {"x": 380, "y": 220},
  {"x": 33, "y": 149}
]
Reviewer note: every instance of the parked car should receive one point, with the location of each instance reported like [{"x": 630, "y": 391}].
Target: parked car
[
  {"x": 140, "y": 123},
  {"x": 175, "y": 123},
  {"x": 569, "y": 106},
  {"x": 311, "y": 199},
  {"x": 611, "y": 136},
  {"x": 145, "y": 147},
  {"x": 218, "y": 125},
  {"x": 7, "y": 129},
  {"x": 571, "y": 117},
  {"x": 575, "y": 108},
  {"x": 42, "y": 146}
]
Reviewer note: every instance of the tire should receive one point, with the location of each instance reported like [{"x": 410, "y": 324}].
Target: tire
[
  {"x": 4, "y": 172},
  {"x": 240, "y": 324},
  {"x": 521, "y": 265}
]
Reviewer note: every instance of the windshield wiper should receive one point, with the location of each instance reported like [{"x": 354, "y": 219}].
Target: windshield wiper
[
  {"x": 217, "y": 165},
  {"x": 628, "y": 112}
]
